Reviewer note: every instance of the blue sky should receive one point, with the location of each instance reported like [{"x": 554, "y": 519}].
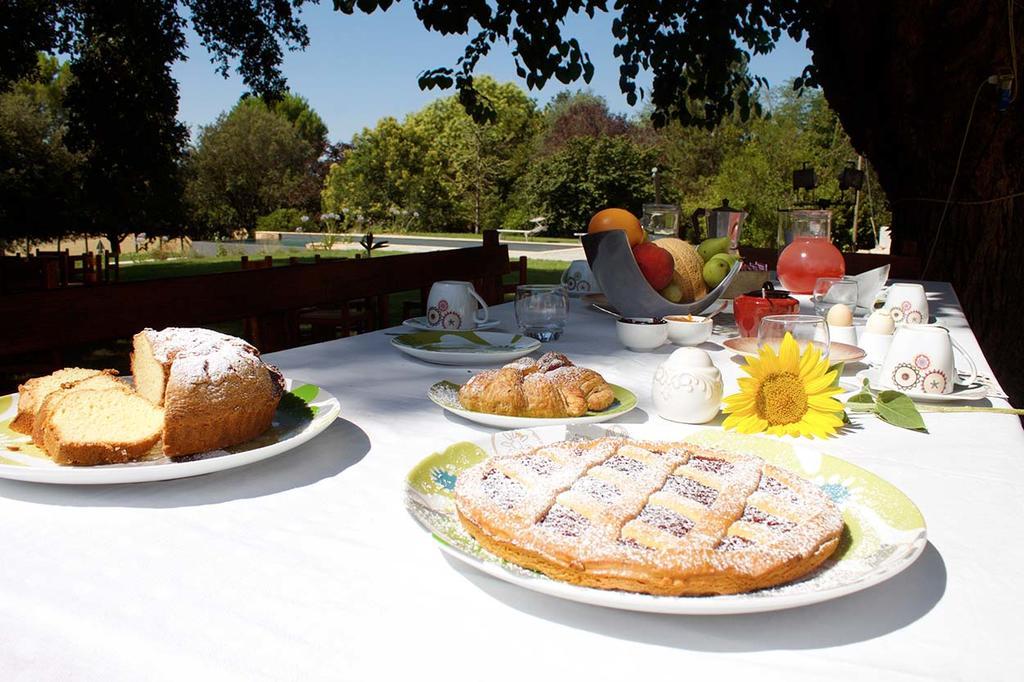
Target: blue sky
[{"x": 360, "y": 68}]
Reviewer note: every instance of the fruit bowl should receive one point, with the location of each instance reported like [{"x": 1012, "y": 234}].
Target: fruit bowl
[{"x": 619, "y": 277}]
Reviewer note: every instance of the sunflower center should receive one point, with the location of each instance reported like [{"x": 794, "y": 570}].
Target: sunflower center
[{"x": 781, "y": 399}]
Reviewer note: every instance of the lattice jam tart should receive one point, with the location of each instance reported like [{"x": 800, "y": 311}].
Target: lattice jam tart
[{"x": 658, "y": 518}]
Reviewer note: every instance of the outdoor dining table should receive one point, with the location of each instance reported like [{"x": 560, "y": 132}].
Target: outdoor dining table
[{"x": 307, "y": 565}]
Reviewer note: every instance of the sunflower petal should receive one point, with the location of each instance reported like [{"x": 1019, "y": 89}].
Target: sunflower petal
[{"x": 789, "y": 354}]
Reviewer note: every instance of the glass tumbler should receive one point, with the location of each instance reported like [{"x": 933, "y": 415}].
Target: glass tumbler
[
  {"x": 542, "y": 310},
  {"x": 806, "y": 329},
  {"x": 831, "y": 290}
]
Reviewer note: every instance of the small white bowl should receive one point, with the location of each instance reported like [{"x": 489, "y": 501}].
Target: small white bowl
[
  {"x": 689, "y": 332},
  {"x": 642, "y": 334}
]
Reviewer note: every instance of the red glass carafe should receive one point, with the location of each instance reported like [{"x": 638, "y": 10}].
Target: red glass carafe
[{"x": 811, "y": 254}]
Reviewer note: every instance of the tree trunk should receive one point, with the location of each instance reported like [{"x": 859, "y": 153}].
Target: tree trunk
[
  {"x": 902, "y": 77},
  {"x": 115, "y": 242}
]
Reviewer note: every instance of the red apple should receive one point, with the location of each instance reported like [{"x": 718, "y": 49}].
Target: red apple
[{"x": 655, "y": 263}]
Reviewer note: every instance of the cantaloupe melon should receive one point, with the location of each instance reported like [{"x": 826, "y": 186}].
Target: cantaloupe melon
[{"x": 689, "y": 266}]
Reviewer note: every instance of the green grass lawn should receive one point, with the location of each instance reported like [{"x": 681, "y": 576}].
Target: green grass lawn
[{"x": 186, "y": 267}]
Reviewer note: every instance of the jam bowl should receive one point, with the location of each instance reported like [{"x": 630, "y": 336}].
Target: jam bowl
[
  {"x": 642, "y": 334},
  {"x": 619, "y": 277}
]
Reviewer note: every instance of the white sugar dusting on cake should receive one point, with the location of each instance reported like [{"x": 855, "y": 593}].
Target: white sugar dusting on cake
[
  {"x": 202, "y": 355},
  {"x": 626, "y": 505}
]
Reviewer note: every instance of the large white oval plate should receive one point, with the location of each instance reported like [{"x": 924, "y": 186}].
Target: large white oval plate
[
  {"x": 465, "y": 348},
  {"x": 445, "y": 394},
  {"x": 885, "y": 532},
  {"x": 305, "y": 411}
]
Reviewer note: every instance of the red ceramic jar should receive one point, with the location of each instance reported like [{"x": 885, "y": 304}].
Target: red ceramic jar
[{"x": 749, "y": 308}]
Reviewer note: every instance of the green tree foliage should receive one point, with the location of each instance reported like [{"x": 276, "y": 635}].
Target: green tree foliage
[
  {"x": 438, "y": 165},
  {"x": 480, "y": 162},
  {"x": 756, "y": 173},
  {"x": 248, "y": 163},
  {"x": 39, "y": 177},
  {"x": 296, "y": 110},
  {"x": 383, "y": 171},
  {"x": 129, "y": 136},
  {"x": 588, "y": 174}
]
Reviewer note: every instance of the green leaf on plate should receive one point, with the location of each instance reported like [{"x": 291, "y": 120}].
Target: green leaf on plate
[
  {"x": 899, "y": 410},
  {"x": 306, "y": 392}
]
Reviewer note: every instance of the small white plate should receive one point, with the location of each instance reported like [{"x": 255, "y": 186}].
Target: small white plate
[
  {"x": 421, "y": 324},
  {"x": 465, "y": 348},
  {"x": 960, "y": 391},
  {"x": 305, "y": 410},
  {"x": 445, "y": 394}
]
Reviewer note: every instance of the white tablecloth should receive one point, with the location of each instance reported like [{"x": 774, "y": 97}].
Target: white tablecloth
[{"x": 307, "y": 566}]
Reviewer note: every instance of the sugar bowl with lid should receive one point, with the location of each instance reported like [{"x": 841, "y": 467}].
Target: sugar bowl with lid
[{"x": 688, "y": 387}]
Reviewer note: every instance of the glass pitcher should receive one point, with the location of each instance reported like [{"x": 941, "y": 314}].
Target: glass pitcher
[{"x": 811, "y": 253}]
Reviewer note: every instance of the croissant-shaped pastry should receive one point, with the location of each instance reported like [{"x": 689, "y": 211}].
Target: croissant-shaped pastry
[{"x": 549, "y": 387}]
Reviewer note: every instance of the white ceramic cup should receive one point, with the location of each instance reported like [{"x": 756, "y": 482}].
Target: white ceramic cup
[
  {"x": 454, "y": 305},
  {"x": 907, "y": 303},
  {"x": 579, "y": 280},
  {"x": 920, "y": 360}
]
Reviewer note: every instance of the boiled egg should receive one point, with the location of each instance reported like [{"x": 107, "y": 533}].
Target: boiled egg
[{"x": 840, "y": 315}]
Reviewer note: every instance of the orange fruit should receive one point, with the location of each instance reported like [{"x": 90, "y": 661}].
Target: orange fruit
[{"x": 618, "y": 219}]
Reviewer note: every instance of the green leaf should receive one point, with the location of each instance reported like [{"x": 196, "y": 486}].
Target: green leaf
[
  {"x": 838, "y": 369},
  {"x": 899, "y": 410}
]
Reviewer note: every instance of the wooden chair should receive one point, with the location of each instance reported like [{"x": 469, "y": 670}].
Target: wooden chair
[
  {"x": 520, "y": 268},
  {"x": 111, "y": 267},
  {"x": 19, "y": 274},
  {"x": 73, "y": 316},
  {"x": 63, "y": 260}
]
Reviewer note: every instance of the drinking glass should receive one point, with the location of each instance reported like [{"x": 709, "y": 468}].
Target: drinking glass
[
  {"x": 541, "y": 310},
  {"x": 831, "y": 290},
  {"x": 806, "y": 329},
  {"x": 661, "y": 219}
]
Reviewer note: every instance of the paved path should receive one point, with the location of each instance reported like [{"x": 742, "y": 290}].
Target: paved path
[{"x": 563, "y": 251}]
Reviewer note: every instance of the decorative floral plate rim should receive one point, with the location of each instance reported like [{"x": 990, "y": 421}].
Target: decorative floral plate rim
[
  {"x": 444, "y": 394},
  {"x": 465, "y": 347},
  {"x": 305, "y": 411},
  {"x": 885, "y": 532}
]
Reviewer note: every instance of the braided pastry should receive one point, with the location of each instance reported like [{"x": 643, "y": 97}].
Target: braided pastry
[{"x": 549, "y": 387}]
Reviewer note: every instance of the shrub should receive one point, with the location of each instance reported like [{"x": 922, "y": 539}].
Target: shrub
[{"x": 281, "y": 220}]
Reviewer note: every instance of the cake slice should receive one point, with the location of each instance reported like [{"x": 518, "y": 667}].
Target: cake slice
[
  {"x": 101, "y": 381},
  {"x": 33, "y": 392},
  {"x": 105, "y": 426}
]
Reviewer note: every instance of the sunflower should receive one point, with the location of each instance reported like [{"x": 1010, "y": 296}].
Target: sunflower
[{"x": 789, "y": 393}]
